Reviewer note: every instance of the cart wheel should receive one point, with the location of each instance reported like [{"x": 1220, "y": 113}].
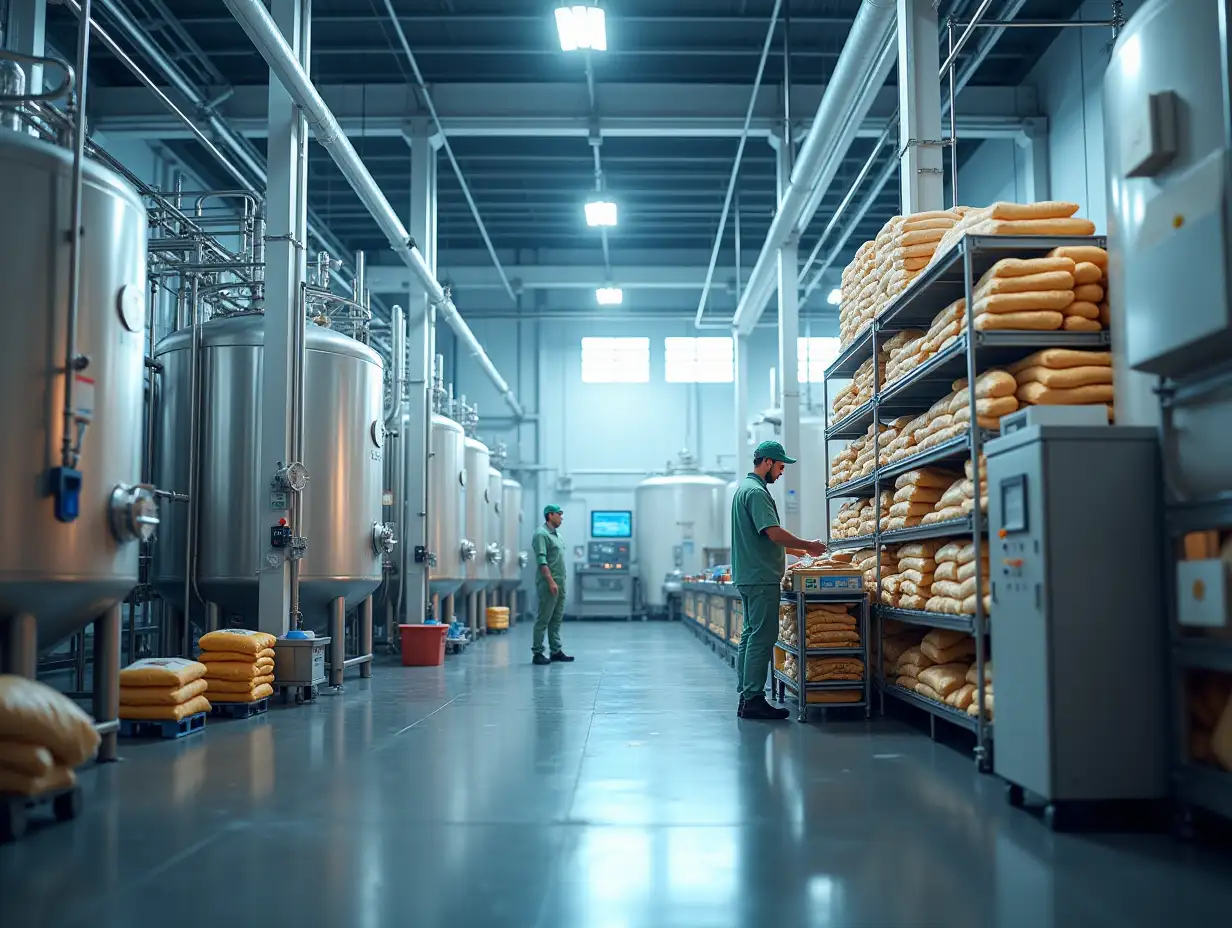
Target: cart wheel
[
  {"x": 12, "y": 820},
  {"x": 67, "y": 806},
  {"x": 1014, "y": 795}
]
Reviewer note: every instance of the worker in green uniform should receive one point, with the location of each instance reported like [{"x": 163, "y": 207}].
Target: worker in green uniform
[
  {"x": 759, "y": 548},
  {"x": 549, "y": 585}
]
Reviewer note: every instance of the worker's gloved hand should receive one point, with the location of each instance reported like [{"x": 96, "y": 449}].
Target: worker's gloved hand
[{"x": 816, "y": 548}]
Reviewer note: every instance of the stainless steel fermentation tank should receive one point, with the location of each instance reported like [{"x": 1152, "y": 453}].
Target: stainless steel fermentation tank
[
  {"x": 677, "y": 518},
  {"x": 57, "y": 576},
  {"x": 512, "y": 538},
  {"x": 447, "y": 494},
  {"x": 343, "y": 439}
]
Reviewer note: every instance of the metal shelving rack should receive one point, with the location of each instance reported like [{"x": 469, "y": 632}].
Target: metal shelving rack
[
  {"x": 782, "y": 682},
  {"x": 951, "y": 278}
]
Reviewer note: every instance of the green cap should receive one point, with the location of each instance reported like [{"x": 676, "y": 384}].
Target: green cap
[
  {"x": 773, "y": 451},
  {"x": 551, "y": 508}
]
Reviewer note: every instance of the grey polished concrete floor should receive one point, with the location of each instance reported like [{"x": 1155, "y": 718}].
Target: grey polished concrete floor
[{"x": 616, "y": 792}]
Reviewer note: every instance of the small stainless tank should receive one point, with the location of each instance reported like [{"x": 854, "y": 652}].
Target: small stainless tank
[
  {"x": 496, "y": 527},
  {"x": 67, "y": 573},
  {"x": 514, "y": 542},
  {"x": 478, "y": 463},
  {"x": 447, "y": 492},
  {"x": 676, "y": 518}
]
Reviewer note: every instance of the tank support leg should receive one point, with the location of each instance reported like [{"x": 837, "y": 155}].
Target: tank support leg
[
  {"x": 482, "y": 611},
  {"x": 513, "y": 607},
  {"x": 213, "y": 617},
  {"x": 447, "y": 607},
  {"x": 21, "y": 646},
  {"x": 365, "y": 636},
  {"x": 107, "y": 679},
  {"x": 472, "y": 614},
  {"x": 337, "y": 644}
]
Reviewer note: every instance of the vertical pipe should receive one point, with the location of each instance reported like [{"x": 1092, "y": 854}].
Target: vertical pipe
[
  {"x": 949, "y": 33},
  {"x": 194, "y": 401},
  {"x": 365, "y": 636},
  {"x": 361, "y": 277},
  {"x": 337, "y": 640},
  {"x": 107, "y": 677},
  {"x": 213, "y": 617},
  {"x": 22, "y": 646}
]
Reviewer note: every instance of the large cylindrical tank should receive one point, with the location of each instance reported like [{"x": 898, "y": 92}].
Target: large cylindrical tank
[
  {"x": 66, "y": 573},
  {"x": 514, "y": 543},
  {"x": 496, "y": 526},
  {"x": 342, "y": 454},
  {"x": 447, "y": 492},
  {"x": 478, "y": 461},
  {"x": 1168, "y": 230},
  {"x": 677, "y": 518}
]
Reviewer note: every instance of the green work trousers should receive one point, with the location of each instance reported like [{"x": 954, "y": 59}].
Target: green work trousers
[
  {"x": 757, "y": 636},
  {"x": 551, "y": 612}
]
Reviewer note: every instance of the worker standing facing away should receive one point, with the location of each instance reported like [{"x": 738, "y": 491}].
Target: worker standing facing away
[
  {"x": 549, "y": 585},
  {"x": 759, "y": 548}
]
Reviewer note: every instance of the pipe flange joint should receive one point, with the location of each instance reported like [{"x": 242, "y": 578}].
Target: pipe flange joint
[
  {"x": 133, "y": 512},
  {"x": 293, "y": 477},
  {"x": 383, "y": 538}
]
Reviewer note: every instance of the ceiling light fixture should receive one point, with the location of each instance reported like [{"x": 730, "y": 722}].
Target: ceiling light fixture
[
  {"x": 610, "y": 296},
  {"x": 601, "y": 213},
  {"x": 835, "y": 297},
  {"x": 581, "y": 27}
]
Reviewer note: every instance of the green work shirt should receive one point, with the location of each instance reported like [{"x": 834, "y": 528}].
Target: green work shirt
[
  {"x": 755, "y": 558},
  {"x": 549, "y": 552}
]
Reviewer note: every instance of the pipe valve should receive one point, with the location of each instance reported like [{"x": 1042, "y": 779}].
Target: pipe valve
[
  {"x": 133, "y": 512},
  {"x": 293, "y": 477},
  {"x": 383, "y": 539}
]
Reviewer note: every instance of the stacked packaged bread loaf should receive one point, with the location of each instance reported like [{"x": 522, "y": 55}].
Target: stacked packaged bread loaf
[
  {"x": 917, "y": 566},
  {"x": 1065, "y": 377},
  {"x": 1209, "y": 696},
  {"x": 859, "y": 391},
  {"x": 239, "y": 664},
  {"x": 1049, "y": 217},
  {"x": 827, "y": 625},
  {"x": 973, "y": 678},
  {"x": 163, "y": 689},
  {"x": 953, "y": 589},
  {"x": 915, "y": 494},
  {"x": 43, "y": 736}
]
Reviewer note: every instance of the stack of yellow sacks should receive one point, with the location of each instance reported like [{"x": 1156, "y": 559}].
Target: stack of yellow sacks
[
  {"x": 165, "y": 689},
  {"x": 994, "y": 398},
  {"x": 856, "y": 460},
  {"x": 915, "y": 494},
  {"x": 890, "y": 437},
  {"x": 1090, "y": 279},
  {"x": 846, "y": 522},
  {"x": 917, "y": 566},
  {"x": 905, "y": 247},
  {"x": 951, "y": 504},
  {"x": 1049, "y": 217},
  {"x": 911, "y": 663},
  {"x": 857, "y": 278},
  {"x": 43, "y": 736},
  {"x": 898, "y": 349},
  {"x": 896, "y": 638},
  {"x": 1210, "y": 718},
  {"x": 953, "y": 589},
  {"x": 1037, "y": 294},
  {"x": 1065, "y": 377},
  {"x": 826, "y": 625},
  {"x": 858, "y": 392},
  {"x": 878, "y": 512},
  {"x": 867, "y": 560},
  {"x": 240, "y": 664},
  {"x": 973, "y": 679}
]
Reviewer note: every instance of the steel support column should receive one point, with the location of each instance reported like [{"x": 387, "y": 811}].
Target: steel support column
[
  {"x": 285, "y": 195},
  {"x": 1034, "y": 144},
  {"x": 789, "y": 331},
  {"x": 421, "y": 351},
  {"x": 740, "y": 380},
  {"x": 919, "y": 108}
]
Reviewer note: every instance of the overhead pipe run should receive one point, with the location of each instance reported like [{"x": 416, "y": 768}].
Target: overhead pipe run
[
  {"x": 263, "y": 32},
  {"x": 861, "y": 70}
]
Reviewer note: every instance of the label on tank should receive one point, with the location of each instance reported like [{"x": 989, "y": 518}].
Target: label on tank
[{"x": 278, "y": 500}]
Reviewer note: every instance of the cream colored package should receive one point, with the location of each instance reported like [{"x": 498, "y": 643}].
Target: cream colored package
[
  {"x": 162, "y": 671},
  {"x": 34, "y": 713},
  {"x": 160, "y": 695}
]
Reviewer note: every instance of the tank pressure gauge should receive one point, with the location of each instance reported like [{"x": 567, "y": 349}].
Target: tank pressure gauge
[
  {"x": 134, "y": 513},
  {"x": 383, "y": 539},
  {"x": 293, "y": 477},
  {"x": 378, "y": 432}
]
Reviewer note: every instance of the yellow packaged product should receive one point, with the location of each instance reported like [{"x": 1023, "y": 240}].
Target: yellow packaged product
[
  {"x": 237, "y": 639},
  {"x": 162, "y": 671},
  {"x": 33, "y": 760},
  {"x": 257, "y": 692},
  {"x": 23, "y": 784},
  {"x": 233, "y": 671},
  {"x": 165, "y": 713},
  {"x": 160, "y": 695},
  {"x": 35, "y": 713},
  {"x": 238, "y": 657},
  {"x": 220, "y": 687}
]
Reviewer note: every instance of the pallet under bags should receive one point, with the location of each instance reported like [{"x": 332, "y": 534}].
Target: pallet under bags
[
  {"x": 239, "y": 664},
  {"x": 43, "y": 736},
  {"x": 163, "y": 689}
]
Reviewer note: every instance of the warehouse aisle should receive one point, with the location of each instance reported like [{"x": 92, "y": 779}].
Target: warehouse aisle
[{"x": 617, "y": 791}]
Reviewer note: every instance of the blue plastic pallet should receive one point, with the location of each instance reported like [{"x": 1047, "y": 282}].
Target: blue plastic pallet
[
  {"x": 240, "y": 710},
  {"x": 161, "y": 728}
]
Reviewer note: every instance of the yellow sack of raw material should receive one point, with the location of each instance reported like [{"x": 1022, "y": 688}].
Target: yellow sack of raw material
[
  {"x": 1077, "y": 396},
  {"x": 33, "y": 760},
  {"x": 162, "y": 671},
  {"x": 1028, "y": 321},
  {"x": 1082, "y": 309},
  {"x": 905, "y": 682},
  {"x": 35, "y": 713},
  {"x": 257, "y": 692},
  {"x": 961, "y": 698},
  {"x": 1086, "y": 273},
  {"x": 239, "y": 657},
  {"x": 1089, "y": 293},
  {"x": 236, "y": 639},
  {"x": 1092, "y": 254},
  {"x": 946, "y": 571},
  {"x": 973, "y": 674},
  {"x": 165, "y": 713},
  {"x": 944, "y": 678},
  {"x": 240, "y": 672},
  {"x": 22, "y": 784},
  {"x": 161, "y": 695},
  {"x": 928, "y": 692},
  {"x": 988, "y": 385},
  {"x": 1002, "y": 303},
  {"x": 1066, "y": 378},
  {"x": 1081, "y": 324},
  {"x": 1038, "y": 283},
  {"x": 1060, "y": 358},
  {"x": 1034, "y": 227},
  {"x": 957, "y": 652}
]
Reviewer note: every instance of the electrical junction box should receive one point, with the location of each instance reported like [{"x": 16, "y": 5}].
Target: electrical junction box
[{"x": 280, "y": 536}]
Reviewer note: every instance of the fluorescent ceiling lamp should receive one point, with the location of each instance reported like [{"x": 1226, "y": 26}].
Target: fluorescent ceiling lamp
[
  {"x": 610, "y": 296},
  {"x": 601, "y": 213},
  {"x": 835, "y": 297},
  {"x": 581, "y": 27}
]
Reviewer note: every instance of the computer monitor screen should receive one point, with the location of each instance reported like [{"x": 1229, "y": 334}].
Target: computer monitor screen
[{"x": 611, "y": 523}]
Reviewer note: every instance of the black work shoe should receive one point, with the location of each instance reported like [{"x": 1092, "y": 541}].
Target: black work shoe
[
  {"x": 758, "y": 708},
  {"x": 562, "y": 657},
  {"x": 540, "y": 660}
]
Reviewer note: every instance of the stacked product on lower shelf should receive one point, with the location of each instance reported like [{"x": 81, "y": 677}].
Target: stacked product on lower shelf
[
  {"x": 896, "y": 639},
  {"x": 940, "y": 668},
  {"x": 973, "y": 679},
  {"x": 827, "y": 670},
  {"x": 868, "y": 559},
  {"x": 240, "y": 664},
  {"x": 856, "y": 460},
  {"x": 953, "y": 588},
  {"x": 915, "y": 495},
  {"x": 1209, "y": 695},
  {"x": 163, "y": 689},
  {"x": 1065, "y": 377},
  {"x": 43, "y": 736},
  {"x": 826, "y": 625}
]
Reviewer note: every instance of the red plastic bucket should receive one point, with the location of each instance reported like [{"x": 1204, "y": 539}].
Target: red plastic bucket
[{"x": 423, "y": 645}]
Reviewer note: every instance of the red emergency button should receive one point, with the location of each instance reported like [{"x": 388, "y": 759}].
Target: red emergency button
[{"x": 282, "y": 521}]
